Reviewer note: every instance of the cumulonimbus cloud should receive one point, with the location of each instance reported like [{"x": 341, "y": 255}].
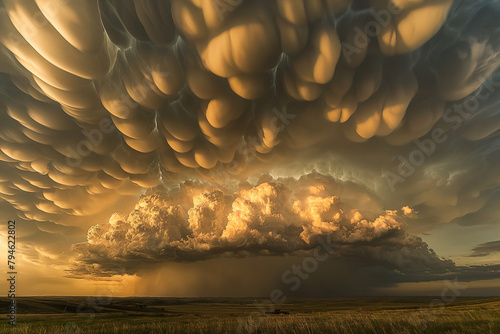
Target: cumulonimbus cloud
[
  {"x": 274, "y": 217},
  {"x": 105, "y": 98}
]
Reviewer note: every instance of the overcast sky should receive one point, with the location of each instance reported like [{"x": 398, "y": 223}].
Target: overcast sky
[{"x": 230, "y": 148}]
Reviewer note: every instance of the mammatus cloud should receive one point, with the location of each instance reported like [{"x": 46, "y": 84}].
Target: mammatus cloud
[
  {"x": 104, "y": 98},
  {"x": 274, "y": 217}
]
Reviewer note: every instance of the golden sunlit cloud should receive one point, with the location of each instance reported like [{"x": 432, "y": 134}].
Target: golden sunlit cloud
[{"x": 189, "y": 102}]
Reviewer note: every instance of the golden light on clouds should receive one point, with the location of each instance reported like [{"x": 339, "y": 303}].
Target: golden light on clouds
[{"x": 139, "y": 133}]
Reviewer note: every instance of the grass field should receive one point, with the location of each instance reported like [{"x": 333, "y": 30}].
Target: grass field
[{"x": 223, "y": 315}]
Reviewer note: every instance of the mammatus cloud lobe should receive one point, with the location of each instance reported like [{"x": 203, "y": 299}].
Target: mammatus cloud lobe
[
  {"x": 273, "y": 217},
  {"x": 104, "y": 98}
]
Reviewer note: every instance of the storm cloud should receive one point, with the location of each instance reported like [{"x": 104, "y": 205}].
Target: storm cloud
[
  {"x": 273, "y": 218},
  {"x": 135, "y": 92},
  {"x": 188, "y": 102}
]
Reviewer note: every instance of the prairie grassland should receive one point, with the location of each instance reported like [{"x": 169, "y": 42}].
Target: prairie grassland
[{"x": 462, "y": 317}]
